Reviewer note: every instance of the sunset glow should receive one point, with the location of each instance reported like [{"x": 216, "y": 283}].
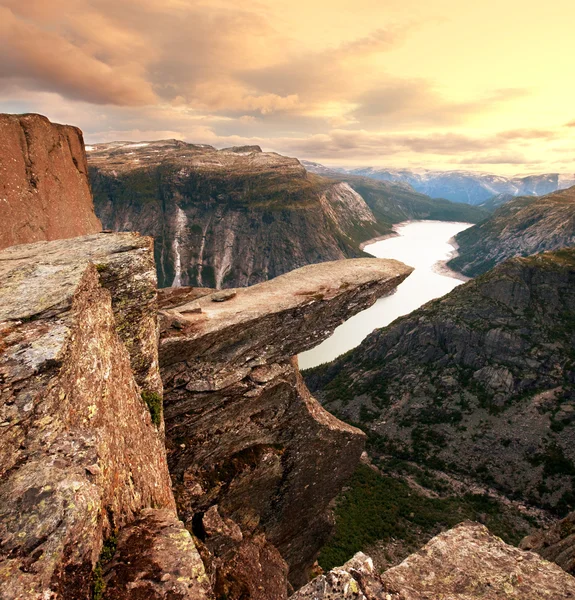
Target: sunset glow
[{"x": 440, "y": 84}]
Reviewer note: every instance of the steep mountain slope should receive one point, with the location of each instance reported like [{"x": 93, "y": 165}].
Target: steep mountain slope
[
  {"x": 395, "y": 201},
  {"x": 226, "y": 218},
  {"x": 239, "y": 216},
  {"x": 468, "y": 186},
  {"x": 44, "y": 189},
  {"x": 519, "y": 228},
  {"x": 479, "y": 382}
]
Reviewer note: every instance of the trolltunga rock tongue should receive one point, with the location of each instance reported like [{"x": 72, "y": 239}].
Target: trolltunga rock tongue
[
  {"x": 464, "y": 563},
  {"x": 243, "y": 432},
  {"x": 80, "y": 455},
  {"x": 44, "y": 189},
  {"x": 273, "y": 320}
]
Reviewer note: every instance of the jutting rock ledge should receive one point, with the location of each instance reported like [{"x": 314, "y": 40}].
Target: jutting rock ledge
[{"x": 86, "y": 501}]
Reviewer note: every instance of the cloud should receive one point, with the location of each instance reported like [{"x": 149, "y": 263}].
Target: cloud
[
  {"x": 37, "y": 59},
  {"x": 417, "y": 101}
]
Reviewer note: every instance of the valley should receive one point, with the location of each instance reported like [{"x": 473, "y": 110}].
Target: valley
[{"x": 420, "y": 244}]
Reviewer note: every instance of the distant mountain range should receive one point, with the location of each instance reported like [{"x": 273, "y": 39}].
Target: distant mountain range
[{"x": 460, "y": 186}]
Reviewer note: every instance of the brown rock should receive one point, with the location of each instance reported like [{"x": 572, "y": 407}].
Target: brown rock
[
  {"x": 244, "y": 433},
  {"x": 44, "y": 189},
  {"x": 156, "y": 558},
  {"x": 468, "y": 562},
  {"x": 465, "y": 563},
  {"x": 556, "y": 543},
  {"x": 80, "y": 456}
]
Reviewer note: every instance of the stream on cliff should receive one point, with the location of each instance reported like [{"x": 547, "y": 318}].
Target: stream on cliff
[{"x": 424, "y": 245}]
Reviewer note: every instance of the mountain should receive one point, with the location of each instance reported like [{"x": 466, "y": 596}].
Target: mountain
[
  {"x": 469, "y": 186},
  {"x": 479, "y": 382},
  {"x": 239, "y": 216},
  {"x": 395, "y": 202},
  {"x": 223, "y": 218},
  {"x": 44, "y": 185},
  {"x": 520, "y": 227},
  {"x": 496, "y": 201}
]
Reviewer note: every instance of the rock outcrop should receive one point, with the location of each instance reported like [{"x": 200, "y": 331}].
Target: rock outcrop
[
  {"x": 464, "y": 563},
  {"x": 555, "y": 543},
  {"x": 255, "y": 460},
  {"x": 44, "y": 188},
  {"x": 479, "y": 382},
  {"x": 226, "y": 218},
  {"x": 82, "y": 455},
  {"x": 521, "y": 227}
]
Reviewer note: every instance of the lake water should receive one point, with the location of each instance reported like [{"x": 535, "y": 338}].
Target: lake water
[{"x": 423, "y": 245}]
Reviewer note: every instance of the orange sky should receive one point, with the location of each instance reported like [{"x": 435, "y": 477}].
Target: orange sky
[{"x": 401, "y": 83}]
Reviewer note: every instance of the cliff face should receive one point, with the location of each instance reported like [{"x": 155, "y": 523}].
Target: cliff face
[
  {"x": 255, "y": 460},
  {"x": 44, "y": 189},
  {"x": 556, "y": 543},
  {"x": 479, "y": 382},
  {"x": 82, "y": 454},
  {"x": 464, "y": 563},
  {"x": 226, "y": 218},
  {"x": 520, "y": 227}
]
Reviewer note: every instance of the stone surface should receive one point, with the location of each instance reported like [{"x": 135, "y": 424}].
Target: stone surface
[
  {"x": 79, "y": 454},
  {"x": 468, "y": 562},
  {"x": 156, "y": 559},
  {"x": 479, "y": 382},
  {"x": 555, "y": 543},
  {"x": 464, "y": 563},
  {"x": 520, "y": 227},
  {"x": 242, "y": 430},
  {"x": 44, "y": 189}
]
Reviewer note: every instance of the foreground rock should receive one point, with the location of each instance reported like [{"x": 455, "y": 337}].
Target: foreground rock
[
  {"x": 255, "y": 460},
  {"x": 521, "y": 227},
  {"x": 81, "y": 454},
  {"x": 479, "y": 382},
  {"x": 556, "y": 543},
  {"x": 44, "y": 189},
  {"x": 465, "y": 563}
]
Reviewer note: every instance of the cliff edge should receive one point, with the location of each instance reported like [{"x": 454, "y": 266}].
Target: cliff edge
[{"x": 44, "y": 188}]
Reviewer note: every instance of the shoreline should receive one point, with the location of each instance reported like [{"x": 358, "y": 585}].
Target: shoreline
[{"x": 441, "y": 268}]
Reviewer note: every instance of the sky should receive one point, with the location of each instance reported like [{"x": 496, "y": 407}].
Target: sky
[{"x": 439, "y": 84}]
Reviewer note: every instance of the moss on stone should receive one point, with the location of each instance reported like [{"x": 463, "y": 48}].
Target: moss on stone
[
  {"x": 106, "y": 555},
  {"x": 153, "y": 401}
]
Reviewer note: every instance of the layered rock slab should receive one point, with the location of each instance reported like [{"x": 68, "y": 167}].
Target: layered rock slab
[
  {"x": 44, "y": 188},
  {"x": 464, "y": 563},
  {"x": 555, "y": 543},
  {"x": 243, "y": 432},
  {"x": 80, "y": 456}
]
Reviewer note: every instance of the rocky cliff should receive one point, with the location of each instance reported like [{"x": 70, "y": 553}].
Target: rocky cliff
[
  {"x": 465, "y": 563},
  {"x": 44, "y": 189},
  {"x": 556, "y": 543},
  {"x": 87, "y": 508},
  {"x": 226, "y": 218},
  {"x": 83, "y": 458},
  {"x": 519, "y": 228},
  {"x": 255, "y": 460},
  {"x": 479, "y": 382}
]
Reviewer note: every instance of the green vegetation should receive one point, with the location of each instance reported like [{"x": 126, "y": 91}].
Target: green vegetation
[
  {"x": 153, "y": 401},
  {"x": 375, "y": 507},
  {"x": 106, "y": 555}
]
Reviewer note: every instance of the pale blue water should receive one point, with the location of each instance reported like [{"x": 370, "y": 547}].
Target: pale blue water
[{"x": 420, "y": 244}]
